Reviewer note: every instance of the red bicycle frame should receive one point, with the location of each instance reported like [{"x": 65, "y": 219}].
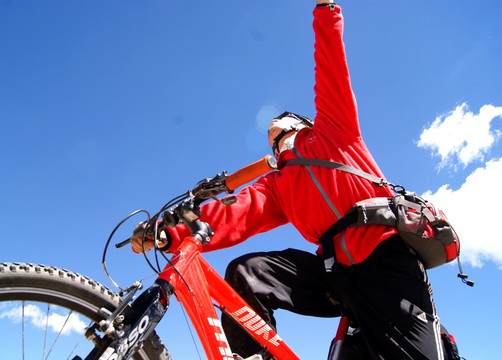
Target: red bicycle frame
[{"x": 196, "y": 285}]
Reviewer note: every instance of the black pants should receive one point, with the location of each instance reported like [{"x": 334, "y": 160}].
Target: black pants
[{"x": 388, "y": 296}]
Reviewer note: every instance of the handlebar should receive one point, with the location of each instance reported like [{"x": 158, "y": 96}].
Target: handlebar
[
  {"x": 209, "y": 188},
  {"x": 250, "y": 172}
]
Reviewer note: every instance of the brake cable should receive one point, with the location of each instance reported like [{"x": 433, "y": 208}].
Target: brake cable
[{"x": 103, "y": 260}]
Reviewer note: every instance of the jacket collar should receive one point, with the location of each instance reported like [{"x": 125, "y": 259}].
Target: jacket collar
[{"x": 285, "y": 156}]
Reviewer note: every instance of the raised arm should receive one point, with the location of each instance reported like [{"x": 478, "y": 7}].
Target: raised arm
[{"x": 335, "y": 102}]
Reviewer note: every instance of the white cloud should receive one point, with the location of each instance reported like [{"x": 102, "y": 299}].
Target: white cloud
[
  {"x": 473, "y": 210},
  {"x": 38, "y": 318},
  {"x": 461, "y": 135}
]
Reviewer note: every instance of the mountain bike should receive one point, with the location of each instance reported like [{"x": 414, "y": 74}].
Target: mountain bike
[{"x": 121, "y": 326}]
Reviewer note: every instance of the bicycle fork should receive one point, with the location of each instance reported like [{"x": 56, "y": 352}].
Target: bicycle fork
[{"x": 130, "y": 324}]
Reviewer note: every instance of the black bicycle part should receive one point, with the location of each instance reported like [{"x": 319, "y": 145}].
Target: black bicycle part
[{"x": 136, "y": 324}]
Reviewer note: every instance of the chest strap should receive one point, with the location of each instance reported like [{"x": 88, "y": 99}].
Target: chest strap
[{"x": 337, "y": 166}]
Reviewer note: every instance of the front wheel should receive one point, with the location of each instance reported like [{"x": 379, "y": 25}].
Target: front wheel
[{"x": 44, "y": 311}]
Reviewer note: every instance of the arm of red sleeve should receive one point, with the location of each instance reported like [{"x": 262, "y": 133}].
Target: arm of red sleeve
[
  {"x": 255, "y": 211},
  {"x": 335, "y": 102}
]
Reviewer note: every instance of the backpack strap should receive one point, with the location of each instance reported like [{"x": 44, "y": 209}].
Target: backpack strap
[
  {"x": 326, "y": 240},
  {"x": 315, "y": 180},
  {"x": 337, "y": 166}
]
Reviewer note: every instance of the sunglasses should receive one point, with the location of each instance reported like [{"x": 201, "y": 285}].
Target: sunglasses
[{"x": 304, "y": 120}]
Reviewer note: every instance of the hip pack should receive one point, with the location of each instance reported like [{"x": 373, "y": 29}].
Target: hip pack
[{"x": 423, "y": 227}]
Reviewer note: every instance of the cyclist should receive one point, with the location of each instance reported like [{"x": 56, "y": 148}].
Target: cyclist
[{"x": 381, "y": 283}]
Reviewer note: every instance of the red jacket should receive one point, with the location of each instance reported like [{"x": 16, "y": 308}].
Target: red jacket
[{"x": 289, "y": 195}]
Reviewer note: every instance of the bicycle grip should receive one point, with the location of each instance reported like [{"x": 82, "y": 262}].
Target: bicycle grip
[{"x": 250, "y": 172}]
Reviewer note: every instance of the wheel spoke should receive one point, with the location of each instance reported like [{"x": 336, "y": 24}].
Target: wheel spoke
[
  {"x": 46, "y": 328},
  {"x": 59, "y": 333},
  {"x": 76, "y": 345},
  {"x": 22, "y": 322}
]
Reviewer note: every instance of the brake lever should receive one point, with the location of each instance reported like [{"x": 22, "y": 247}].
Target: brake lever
[
  {"x": 208, "y": 188},
  {"x": 150, "y": 230}
]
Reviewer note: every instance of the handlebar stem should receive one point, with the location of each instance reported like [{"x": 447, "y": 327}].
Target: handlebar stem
[
  {"x": 203, "y": 231},
  {"x": 188, "y": 212}
]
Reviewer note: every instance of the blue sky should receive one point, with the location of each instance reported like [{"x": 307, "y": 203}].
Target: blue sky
[{"x": 108, "y": 107}]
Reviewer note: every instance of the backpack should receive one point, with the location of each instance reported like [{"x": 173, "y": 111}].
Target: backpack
[
  {"x": 419, "y": 223},
  {"x": 423, "y": 227}
]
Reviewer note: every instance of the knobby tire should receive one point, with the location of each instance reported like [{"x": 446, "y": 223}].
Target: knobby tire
[{"x": 24, "y": 282}]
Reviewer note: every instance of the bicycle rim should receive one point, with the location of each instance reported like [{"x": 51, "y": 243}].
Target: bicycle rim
[{"x": 44, "y": 311}]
